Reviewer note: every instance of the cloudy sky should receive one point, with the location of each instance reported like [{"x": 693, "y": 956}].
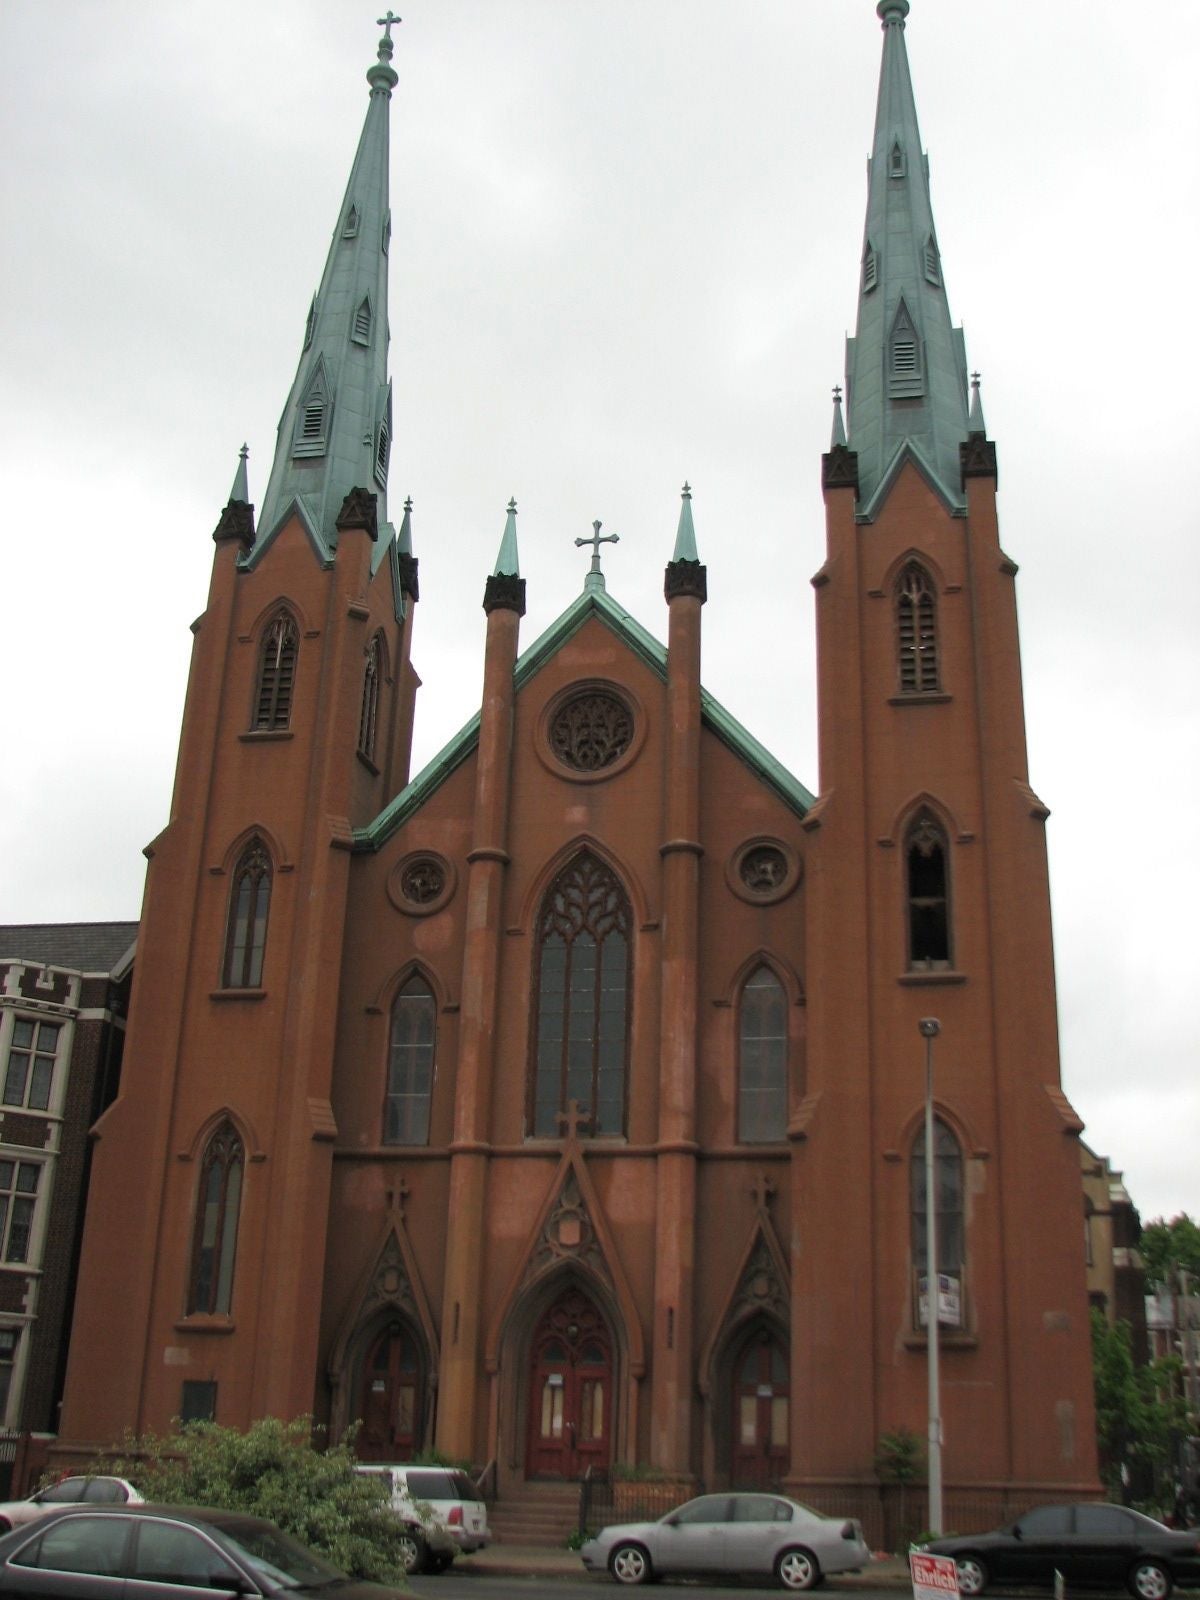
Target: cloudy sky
[{"x": 626, "y": 236}]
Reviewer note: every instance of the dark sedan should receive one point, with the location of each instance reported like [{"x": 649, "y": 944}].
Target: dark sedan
[
  {"x": 1090, "y": 1545},
  {"x": 139, "y": 1552}
]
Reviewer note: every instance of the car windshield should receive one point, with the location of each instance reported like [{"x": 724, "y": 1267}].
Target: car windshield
[{"x": 278, "y": 1557}]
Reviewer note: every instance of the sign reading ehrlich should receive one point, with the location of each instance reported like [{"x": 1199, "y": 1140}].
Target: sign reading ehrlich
[{"x": 933, "y": 1577}]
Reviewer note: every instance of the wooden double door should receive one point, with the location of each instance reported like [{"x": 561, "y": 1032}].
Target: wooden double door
[
  {"x": 761, "y": 1402},
  {"x": 570, "y": 1390},
  {"x": 390, "y": 1402}
]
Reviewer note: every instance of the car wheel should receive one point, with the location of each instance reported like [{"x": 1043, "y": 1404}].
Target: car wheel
[
  {"x": 412, "y": 1552},
  {"x": 972, "y": 1575},
  {"x": 1149, "y": 1580},
  {"x": 629, "y": 1563},
  {"x": 798, "y": 1569}
]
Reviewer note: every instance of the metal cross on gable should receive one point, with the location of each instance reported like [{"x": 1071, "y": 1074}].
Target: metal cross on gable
[
  {"x": 596, "y": 541},
  {"x": 386, "y": 23},
  {"x": 576, "y": 1119}
]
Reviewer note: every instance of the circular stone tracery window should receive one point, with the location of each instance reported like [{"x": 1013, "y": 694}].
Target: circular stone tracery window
[
  {"x": 421, "y": 883},
  {"x": 763, "y": 871},
  {"x": 591, "y": 731}
]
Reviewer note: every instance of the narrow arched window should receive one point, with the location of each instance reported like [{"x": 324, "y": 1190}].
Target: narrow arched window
[
  {"x": 762, "y": 1059},
  {"x": 951, "y": 1253},
  {"x": 276, "y": 674},
  {"x": 370, "y": 702},
  {"x": 928, "y": 895},
  {"x": 410, "y": 1064},
  {"x": 581, "y": 985},
  {"x": 916, "y": 632},
  {"x": 249, "y": 902},
  {"x": 214, "y": 1245}
]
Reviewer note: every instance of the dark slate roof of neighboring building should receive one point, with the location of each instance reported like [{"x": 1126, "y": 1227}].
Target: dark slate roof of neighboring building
[{"x": 78, "y": 946}]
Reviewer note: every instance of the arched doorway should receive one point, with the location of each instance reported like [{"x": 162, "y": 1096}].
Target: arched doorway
[
  {"x": 760, "y": 1405},
  {"x": 390, "y": 1401},
  {"x": 570, "y": 1390}
]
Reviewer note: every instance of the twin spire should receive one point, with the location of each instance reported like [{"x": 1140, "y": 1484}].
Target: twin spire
[{"x": 906, "y": 371}]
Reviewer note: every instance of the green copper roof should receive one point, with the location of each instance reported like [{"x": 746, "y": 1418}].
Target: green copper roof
[
  {"x": 596, "y": 603},
  {"x": 241, "y": 482},
  {"x": 906, "y": 369},
  {"x": 685, "y": 538},
  {"x": 508, "y": 564},
  {"x": 335, "y": 431}
]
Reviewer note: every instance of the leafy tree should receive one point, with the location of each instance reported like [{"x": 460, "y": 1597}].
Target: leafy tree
[
  {"x": 1167, "y": 1246},
  {"x": 1138, "y": 1416},
  {"x": 900, "y": 1459},
  {"x": 273, "y": 1470}
]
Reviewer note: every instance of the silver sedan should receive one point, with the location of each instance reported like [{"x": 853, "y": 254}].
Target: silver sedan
[{"x": 726, "y": 1533}]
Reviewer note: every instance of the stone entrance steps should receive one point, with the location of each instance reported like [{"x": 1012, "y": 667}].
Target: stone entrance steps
[{"x": 542, "y": 1515}]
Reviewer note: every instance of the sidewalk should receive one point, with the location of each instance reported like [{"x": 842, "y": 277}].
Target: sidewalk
[{"x": 535, "y": 1561}]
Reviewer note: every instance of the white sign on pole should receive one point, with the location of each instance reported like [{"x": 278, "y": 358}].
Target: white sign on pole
[{"x": 933, "y": 1577}]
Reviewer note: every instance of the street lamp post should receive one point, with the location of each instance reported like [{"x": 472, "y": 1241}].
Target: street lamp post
[{"x": 930, "y": 1027}]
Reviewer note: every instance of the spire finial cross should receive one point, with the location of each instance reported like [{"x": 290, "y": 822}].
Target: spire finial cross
[
  {"x": 596, "y": 541},
  {"x": 837, "y": 394},
  {"x": 387, "y": 23}
]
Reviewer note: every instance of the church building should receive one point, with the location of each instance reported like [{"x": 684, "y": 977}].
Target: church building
[{"x": 562, "y": 1106}]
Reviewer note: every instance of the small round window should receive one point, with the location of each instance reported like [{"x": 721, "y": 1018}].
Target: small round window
[{"x": 590, "y": 732}]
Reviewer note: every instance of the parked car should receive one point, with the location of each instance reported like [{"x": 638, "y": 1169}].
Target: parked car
[
  {"x": 1091, "y": 1545},
  {"x": 91, "y": 1489},
  {"x": 442, "y": 1499},
  {"x": 725, "y": 1533},
  {"x": 144, "y": 1552}
]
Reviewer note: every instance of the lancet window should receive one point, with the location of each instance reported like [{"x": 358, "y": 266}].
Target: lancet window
[
  {"x": 926, "y": 855},
  {"x": 411, "y": 1050},
  {"x": 369, "y": 714},
  {"x": 917, "y": 664},
  {"x": 276, "y": 674},
  {"x": 214, "y": 1245},
  {"x": 249, "y": 903},
  {"x": 951, "y": 1252},
  {"x": 581, "y": 988},
  {"x": 762, "y": 1059}
]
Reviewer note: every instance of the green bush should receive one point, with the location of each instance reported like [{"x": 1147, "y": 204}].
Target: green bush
[{"x": 273, "y": 1470}]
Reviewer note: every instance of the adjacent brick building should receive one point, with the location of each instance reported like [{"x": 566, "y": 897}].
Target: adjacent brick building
[{"x": 561, "y": 1106}]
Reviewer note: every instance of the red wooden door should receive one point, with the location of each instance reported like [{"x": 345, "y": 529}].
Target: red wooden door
[
  {"x": 760, "y": 1414},
  {"x": 390, "y": 1408},
  {"x": 570, "y": 1391}
]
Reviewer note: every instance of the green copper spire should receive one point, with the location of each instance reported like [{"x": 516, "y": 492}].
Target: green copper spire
[
  {"x": 906, "y": 369},
  {"x": 685, "y": 538},
  {"x": 508, "y": 563},
  {"x": 335, "y": 431}
]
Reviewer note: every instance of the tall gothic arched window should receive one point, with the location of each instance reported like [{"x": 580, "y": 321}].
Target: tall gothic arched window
[
  {"x": 926, "y": 869},
  {"x": 410, "y": 1064},
  {"x": 762, "y": 1059},
  {"x": 581, "y": 988},
  {"x": 370, "y": 701},
  {"x": 214, "y": 1244},
  {"x": 276, "y": 674},
  {"x": 249, "y": 902},
  {"x": 948, "y": 1188},
  {"x": 917, "y": 666}
]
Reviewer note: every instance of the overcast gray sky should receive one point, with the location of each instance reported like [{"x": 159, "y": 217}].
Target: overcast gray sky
[{"x": 626, "y": 236}]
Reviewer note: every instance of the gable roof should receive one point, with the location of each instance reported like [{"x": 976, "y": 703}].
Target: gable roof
[{"x": 598, "y": 603}]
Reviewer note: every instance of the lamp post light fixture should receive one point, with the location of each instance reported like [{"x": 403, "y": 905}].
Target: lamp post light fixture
[{"x": 929, "y": 1028}]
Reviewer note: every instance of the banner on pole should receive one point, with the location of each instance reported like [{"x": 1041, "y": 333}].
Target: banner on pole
[{"x": 933, "y": 1577}]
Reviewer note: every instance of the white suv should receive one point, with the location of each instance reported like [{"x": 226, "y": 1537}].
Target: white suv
[{"x": 444, "y": 1498}]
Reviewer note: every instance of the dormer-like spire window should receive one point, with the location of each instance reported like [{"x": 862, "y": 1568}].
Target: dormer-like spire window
[
  {"x": 870, "y": 267},
  {"x": 933, "y": 262},
  {"x": 361, "y": 332},
  {"x": 897, "y": 161},
  {"x": 383, "y": 440},
  {"x": 386, "y": 237},
  {"x": 312, "y": 418},
  {"x": 350, "y": 230},
  {"x": 310, "y": 325},
  {"x": 905, "y": 364}
]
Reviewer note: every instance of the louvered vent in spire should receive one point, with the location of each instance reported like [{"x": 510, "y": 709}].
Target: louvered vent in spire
[
  {"x": 870, "y": 268},
  {"x": 312, "y": 417},
  {"x": 351, "y": 227},
  {"x": 905, "y": 365},
  {"x": 933, "y": 261},
  {"x": 362, "y": 322}
]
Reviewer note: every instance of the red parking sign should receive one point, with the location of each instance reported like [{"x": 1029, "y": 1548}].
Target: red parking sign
[{"x": 933, "y": 1577}]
